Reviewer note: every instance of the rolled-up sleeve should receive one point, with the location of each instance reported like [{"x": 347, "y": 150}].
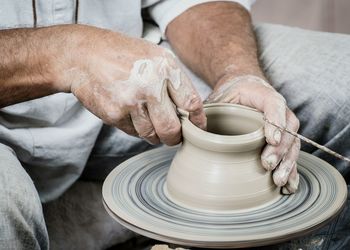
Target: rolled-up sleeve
[{"x": 163, "y": 12}]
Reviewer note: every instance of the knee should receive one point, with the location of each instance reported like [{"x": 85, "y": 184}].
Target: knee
[
  {"x": 331, "y": 106},
  {"x": 21, "y": 201},
  {"x": 22, "y": 222},
  {"x": 17, "y": 188},
  {"x": 324, "y": 115}
]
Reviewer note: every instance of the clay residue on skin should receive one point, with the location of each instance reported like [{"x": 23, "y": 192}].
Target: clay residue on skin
[
  {"x": 175, "y": 78},
  {"x": 270, "y": 162},
  {"x": 237, "y": 90},
  {"x": 231, "y": 68},
  {"x": 225, "y": 88},
  {"x": 293, "y": 183},
  {"x": 280, "y": 176},
  {"x": 292, "y": 186},
  {"x": 250, "y": 78},
  {"x": 148, "y": 79},
  {"x": 148, "y": 76},
  {"x": 75, "y": 77}
]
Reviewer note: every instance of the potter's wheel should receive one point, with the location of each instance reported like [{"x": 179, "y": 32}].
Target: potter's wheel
[{"x": 134, "y": 195}]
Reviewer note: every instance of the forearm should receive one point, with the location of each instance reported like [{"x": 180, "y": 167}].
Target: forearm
[
  {"x": 30, "y": 62},
  {"x": 216, "y": 41},
  {"x": 120, "y": 79}
]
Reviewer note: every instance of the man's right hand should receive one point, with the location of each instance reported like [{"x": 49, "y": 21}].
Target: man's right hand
[{"x": 127, "y": 82}]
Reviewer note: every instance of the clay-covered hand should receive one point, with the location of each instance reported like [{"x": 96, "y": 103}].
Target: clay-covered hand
[
  {"x": 129, "y": 83},
  {"x": 282, "y": 150}
]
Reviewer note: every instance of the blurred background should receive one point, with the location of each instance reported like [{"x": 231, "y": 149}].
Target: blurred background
[{"x": 322, "y": 15}]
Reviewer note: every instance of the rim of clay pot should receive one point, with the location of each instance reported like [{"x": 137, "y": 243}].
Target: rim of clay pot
[{"x": 225, "y": 143}]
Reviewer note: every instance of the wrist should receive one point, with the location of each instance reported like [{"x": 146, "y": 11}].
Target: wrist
[
  {"x": 233, "y": 74},
  {"x": 42, "y": 58},
  {"x": 58, "y": 48},
  {"x": 23, "y": 59}
]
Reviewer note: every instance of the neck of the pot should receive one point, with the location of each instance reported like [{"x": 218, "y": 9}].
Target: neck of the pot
[{"x": 244, "y": 142}]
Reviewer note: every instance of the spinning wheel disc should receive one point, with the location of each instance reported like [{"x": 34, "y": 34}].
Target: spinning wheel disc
[{"x": 134, "y": 194}]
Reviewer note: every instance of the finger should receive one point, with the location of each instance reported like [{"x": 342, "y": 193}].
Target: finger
[
  {"x": 164, "y": 119},
  {"x": 275, "y": 110},
  {"x": 143, "y": 124},
  {"x": 260, "y": 97},
  {"x": 293, "y": 182},
  {"x": 185, "y": 96},
  {"x": 232, "y": 97},
  {"x": 125, "y": 124},
  {"x": 272, "y": 155},
  {"x": 293, "y": 179},
  {"x": 227, "y": 93},
  {"x": 283, "y": 171}
]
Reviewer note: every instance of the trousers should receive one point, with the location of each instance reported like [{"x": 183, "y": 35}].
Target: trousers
[{"x": 310, "y": 69}]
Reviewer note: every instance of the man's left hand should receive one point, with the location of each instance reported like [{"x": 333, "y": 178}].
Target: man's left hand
[{"x": 282, "y": 150}]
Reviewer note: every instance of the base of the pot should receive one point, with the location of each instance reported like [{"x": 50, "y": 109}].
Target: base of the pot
[{"x": 134, "y": 195}]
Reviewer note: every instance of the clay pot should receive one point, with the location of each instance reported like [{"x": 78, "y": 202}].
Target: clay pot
[{"x": 219, "y": 169}]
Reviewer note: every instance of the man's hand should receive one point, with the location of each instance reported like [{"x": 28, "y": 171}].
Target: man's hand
[
  {"x": 127, "y": 82},
  {"x": 282, "y": 150},
  {"x": 216, "y": 40},
  {"x": 133, "y": 85}
]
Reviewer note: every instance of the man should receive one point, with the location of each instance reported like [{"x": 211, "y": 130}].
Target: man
[{"x": 50, "y": 78}]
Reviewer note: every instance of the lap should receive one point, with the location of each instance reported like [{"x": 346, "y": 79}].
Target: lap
[
  {"x": 21, "y": 220},
  {"x": 15, "y": 183}
]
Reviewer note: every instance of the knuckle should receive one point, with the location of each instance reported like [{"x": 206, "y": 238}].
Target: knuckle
[
  {"x": 147, "y": 133},
  {"x": 295, "y": 123},
  {"x": 129, "y": 130},
  {"x": 282, "y": 152},
  {"x": 174, "y": 130},
  {"x": 115, "y": 116},
  {"x": 297, "y": 143},
  {"x": 277, "y": 97},
  {"x": 170, "y": 134},
  {"x": 195, "y": 103},
  {"x": 278, "y": 179},
  {"x": 170, "y": 130},
  {"x": 168, "y": 54}
]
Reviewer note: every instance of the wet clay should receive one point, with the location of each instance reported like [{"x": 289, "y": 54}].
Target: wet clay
[{"x": 219, "y": 169}]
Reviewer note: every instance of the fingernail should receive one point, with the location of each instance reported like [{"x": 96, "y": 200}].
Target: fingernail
[
  {"x": 285, "y": 191},
  {"x": 280, "y": 178},
  {"x": 282, "y": 175},
  {"x": 271, "y": 161},
  {"x": 212, "y": 98},
  {"x": 149, "y": 142},
  {"x": 203, "y": 124},
  {"x": 208, "y": 99},
  {"x": 292, "y": 186},
  {"x": 277, "y": 136}
]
